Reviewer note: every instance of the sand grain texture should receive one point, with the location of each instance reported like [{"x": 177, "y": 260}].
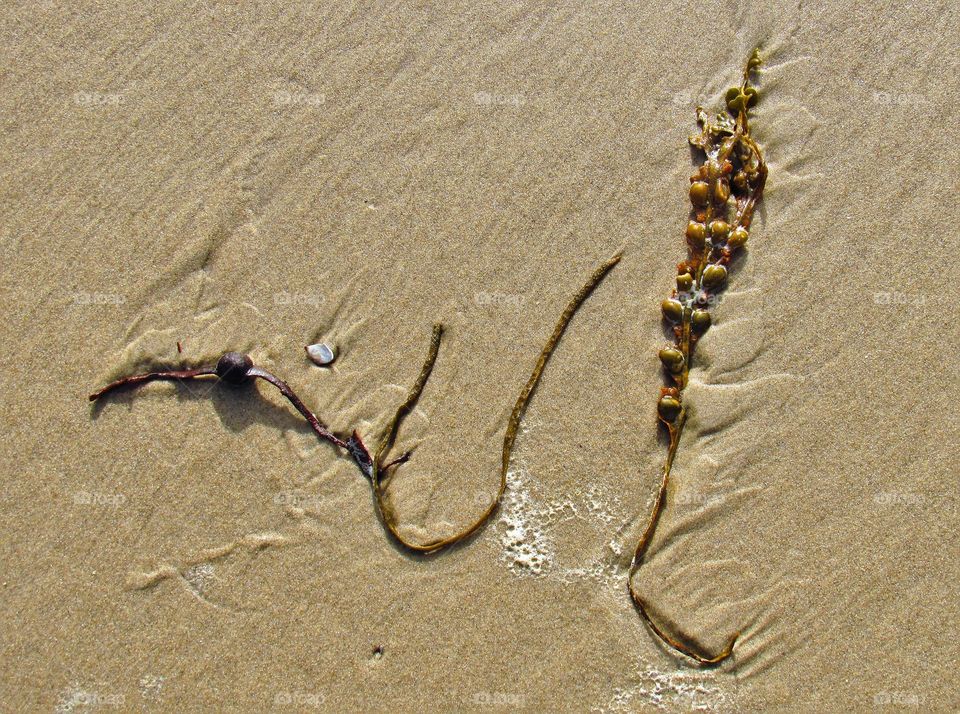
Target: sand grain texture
[{"x": 260, "y": 179}]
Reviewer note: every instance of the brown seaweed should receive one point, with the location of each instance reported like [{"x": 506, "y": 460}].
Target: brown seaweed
[
  {"x": 724, "y": 192},
  {"x": 235, "y": 368},
  {"x": 381, "y": 477}
]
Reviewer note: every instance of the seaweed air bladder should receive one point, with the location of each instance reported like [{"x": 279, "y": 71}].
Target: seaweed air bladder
[{"x": 724, "y": 192}]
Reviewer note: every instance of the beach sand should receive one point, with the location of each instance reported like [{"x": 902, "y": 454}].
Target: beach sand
[{"x": 262, "y": 177}]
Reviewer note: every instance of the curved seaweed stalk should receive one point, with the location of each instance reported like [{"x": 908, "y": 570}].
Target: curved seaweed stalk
[
  {"x": 235, "y": 368},
  {"x": 380, "y": 476},
  {"x": 724, "y": 192}
]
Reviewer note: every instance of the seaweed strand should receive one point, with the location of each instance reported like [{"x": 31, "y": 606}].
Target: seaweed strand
[
  {"x": 385, "y": 510},
  {"x": 236, "y": 368},
  {"x": 173, "y": 375},
  {"x": 724, "y": 192}
]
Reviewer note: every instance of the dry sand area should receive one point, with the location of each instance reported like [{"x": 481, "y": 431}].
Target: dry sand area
[{"x": 263, "y": 176}]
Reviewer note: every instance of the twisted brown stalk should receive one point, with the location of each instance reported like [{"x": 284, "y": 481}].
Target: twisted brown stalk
[
  {"x": 724, "y": 193},
  {"x": 385, "y": 509},
  {"x": 236, "y": 368}
]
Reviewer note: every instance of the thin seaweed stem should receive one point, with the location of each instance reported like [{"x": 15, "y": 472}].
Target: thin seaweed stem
[
  {"x": 385, "y": 509},
  {"x": 173, "y": 375},
  {"x": 235, "y": 368}
]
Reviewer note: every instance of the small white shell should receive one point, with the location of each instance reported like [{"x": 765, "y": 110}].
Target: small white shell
[{"x": 321, "y": 354}]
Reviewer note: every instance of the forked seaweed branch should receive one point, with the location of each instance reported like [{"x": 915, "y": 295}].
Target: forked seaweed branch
[
  {"x": 724, "y": 192},
  {"x": 235, "y": 368}
]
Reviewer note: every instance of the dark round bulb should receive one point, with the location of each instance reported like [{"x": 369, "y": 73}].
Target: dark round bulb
[{"x": 233, "y": 367}]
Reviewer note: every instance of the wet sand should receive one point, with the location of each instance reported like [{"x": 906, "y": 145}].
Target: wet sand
[{"x": 259, "y": 179}]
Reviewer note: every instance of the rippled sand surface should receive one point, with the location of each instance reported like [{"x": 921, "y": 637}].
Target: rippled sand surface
[{"x": 260, "y": 178}]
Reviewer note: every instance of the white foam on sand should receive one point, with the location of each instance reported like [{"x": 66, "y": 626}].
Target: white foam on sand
[
  {"x": 151, "y": 686},
  {"x": 676, "y": 691},
  {"x": 529, "y": 529},
  {"x": 526, "y": 548},
  {"x": 530, "y": 521}
]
